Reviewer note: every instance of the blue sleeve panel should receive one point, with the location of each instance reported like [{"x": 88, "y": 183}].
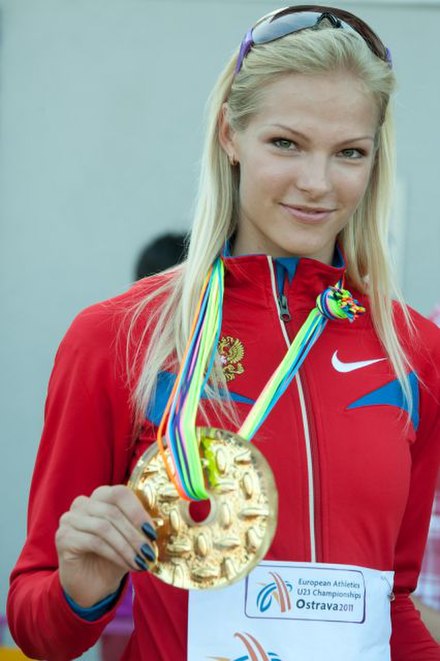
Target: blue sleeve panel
[
  {"x": 164, "y": 385},
  {"x": 391, "y": 394}
]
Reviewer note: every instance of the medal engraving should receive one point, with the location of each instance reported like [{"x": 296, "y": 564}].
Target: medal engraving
[{"x": 241, "y": 523}]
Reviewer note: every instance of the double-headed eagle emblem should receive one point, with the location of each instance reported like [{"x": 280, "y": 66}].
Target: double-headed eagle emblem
[{"x": 231, "y": 353}]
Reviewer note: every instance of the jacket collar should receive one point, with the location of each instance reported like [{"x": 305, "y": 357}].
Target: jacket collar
[{"x": 301, "y": 280}]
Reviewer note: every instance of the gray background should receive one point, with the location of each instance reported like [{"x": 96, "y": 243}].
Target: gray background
[{"x": 101, "y": 120}]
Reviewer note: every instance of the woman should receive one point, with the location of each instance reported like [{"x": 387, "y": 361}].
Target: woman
[{"x": 294, "y": 192}]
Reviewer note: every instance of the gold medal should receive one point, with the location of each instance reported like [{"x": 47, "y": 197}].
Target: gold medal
[{"x": 241, "y": 523}]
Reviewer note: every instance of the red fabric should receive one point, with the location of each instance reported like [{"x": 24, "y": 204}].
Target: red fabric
[{"x": 374, "y": 475}]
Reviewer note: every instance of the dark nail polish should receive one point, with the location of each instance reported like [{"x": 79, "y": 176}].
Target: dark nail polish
[
  {"x": 141, "y": 563},
  {"x": 149, "y": 531},
  {"x": 148, "y": 552}
]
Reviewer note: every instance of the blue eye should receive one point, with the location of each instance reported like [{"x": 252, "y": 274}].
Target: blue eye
[
  {"x": 352, "y": 154},
  {"x": 283, "y": 143}
]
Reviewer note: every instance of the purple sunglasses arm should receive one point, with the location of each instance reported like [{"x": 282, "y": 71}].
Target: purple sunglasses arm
[
  {"x": 389, "y": 57},
  {"x": 245, "y": 47}
]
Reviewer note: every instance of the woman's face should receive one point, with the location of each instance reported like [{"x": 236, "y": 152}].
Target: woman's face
[{"x": 305, "y": 160}]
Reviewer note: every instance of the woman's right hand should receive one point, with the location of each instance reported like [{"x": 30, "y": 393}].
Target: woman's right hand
[{"x": 99, "y": 540}]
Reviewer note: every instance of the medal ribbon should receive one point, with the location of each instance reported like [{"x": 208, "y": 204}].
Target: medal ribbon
[{"x": 184, "y": 466}]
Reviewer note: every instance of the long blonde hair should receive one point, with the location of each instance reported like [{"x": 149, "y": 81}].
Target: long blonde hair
[{"x": 364, "y": 239}]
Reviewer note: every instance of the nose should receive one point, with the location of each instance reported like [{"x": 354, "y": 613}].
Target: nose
[{"x": 313, "y": 175}]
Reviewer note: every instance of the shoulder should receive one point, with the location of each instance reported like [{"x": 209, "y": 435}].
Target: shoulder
[
  {"x": 421, "y": 342},
  {"x": 103, "y": 322},
  {"x": 421, "y": 336},
  {"x": 100, "y": 335}
]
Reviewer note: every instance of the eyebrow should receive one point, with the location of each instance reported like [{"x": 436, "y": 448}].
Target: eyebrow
[{"x": 306, "y": 138}]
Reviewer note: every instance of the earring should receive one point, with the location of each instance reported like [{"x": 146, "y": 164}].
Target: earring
[{"x": 232, "y": 160}]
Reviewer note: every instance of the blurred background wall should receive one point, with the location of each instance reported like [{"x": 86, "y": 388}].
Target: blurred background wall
[{"x": 101, "y": 122}]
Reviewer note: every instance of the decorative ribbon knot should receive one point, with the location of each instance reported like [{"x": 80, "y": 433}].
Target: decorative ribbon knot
[{"x": 337, "y": 303}]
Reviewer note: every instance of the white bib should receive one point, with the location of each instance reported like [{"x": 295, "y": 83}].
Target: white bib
[{"x": 291, "y": 611}]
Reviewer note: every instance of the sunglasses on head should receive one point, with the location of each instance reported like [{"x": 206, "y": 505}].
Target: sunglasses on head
[{"x": 286, "y": 21}]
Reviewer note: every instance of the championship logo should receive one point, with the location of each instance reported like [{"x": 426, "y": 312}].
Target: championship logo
[
  {"x": 254, "y": 650},
  {"x": 276, "y": 591}
]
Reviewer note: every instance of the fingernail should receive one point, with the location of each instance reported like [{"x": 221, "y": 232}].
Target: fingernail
[
  {"x": 141, "y": 563},
  {"x": 149, "y": 531},
  {"x": 148, "y": 552}
]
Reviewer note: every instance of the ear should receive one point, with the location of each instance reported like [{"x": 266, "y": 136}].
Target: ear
[{"x": 226, "y": 135}]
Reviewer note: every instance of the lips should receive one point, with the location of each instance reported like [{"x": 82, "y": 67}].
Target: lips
[{"x": 308, "y": 214}]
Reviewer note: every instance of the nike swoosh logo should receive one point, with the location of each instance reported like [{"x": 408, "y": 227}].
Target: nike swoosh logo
[{"x": 351, "y": 367}]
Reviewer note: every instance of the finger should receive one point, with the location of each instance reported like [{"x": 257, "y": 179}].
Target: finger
[
  {"x": 124, "y": 498},
  {"x": 130, "y": 505},
  {"x": 119, "y": 505},
  {"x": 76, "y": 541},
  {"x": 108, "y": 516},
  {"x": 104, "y": 534}
]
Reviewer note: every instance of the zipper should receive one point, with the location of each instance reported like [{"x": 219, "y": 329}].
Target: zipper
[{"x": 282, "y": 306}]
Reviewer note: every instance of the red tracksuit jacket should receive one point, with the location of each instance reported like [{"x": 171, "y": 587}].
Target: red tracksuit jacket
[{"x": 355, "y": 481}]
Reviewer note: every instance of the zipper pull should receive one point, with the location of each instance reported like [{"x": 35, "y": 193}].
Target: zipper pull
[{"x": 283, "y": 308}]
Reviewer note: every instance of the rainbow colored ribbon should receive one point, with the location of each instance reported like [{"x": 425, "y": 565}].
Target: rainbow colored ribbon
[{"x": 184, "y": 466}]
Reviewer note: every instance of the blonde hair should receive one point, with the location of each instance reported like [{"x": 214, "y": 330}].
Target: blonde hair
[{"x": 364, "y": 239}]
